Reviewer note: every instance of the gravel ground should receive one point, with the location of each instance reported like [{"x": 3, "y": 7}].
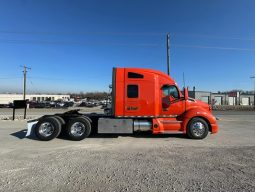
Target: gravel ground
[{"x": 140, "y": 162}]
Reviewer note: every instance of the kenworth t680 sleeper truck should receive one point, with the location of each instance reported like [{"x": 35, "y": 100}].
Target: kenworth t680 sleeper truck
[{"x": 142, "y": 100}]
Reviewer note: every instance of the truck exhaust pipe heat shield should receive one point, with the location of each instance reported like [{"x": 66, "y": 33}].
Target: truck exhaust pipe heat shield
[{"x": 186, "y": 93}]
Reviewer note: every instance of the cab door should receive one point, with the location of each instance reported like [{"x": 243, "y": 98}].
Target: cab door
[{"x": 172, "y": 104}]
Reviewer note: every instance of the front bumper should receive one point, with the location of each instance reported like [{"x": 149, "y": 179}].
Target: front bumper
[{"x": 215, "y": 128}]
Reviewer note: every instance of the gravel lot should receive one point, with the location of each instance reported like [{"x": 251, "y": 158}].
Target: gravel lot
[{"x": 141, "y": 162}]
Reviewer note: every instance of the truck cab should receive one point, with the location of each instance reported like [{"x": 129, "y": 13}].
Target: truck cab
[
  {"x": 142, "y": 100},
  {"x": 155, "y": 96}
]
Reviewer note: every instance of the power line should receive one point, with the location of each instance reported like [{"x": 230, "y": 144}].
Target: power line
[
  {"x": 213, "y": 36},
  {"x": 10, "y": 77},
  {"x": 213, "y": 47},
  {"x": 76, "y": 43},
  {"x": 61, "y": 79},
  {"x": 46, "y": 78},
  {"x": 120, "y": 44},
  {"x": 82, "y": 33},
  {"x": 95, "y": 33}
]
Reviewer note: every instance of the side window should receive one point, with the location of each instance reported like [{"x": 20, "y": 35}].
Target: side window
[
  {"x": 132, "y": 75},
  {"x": 170, "y": 90},
  {"x": 132, "y": 91}
]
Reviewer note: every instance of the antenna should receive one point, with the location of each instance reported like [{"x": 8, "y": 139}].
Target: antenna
[{"x": 183, "y": 79}]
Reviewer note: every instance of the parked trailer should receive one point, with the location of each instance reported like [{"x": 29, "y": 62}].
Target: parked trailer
[{"x": 142, "y": 100}]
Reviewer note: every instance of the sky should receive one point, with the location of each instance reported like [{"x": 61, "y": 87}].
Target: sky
[{"x": 72, "y": 45}]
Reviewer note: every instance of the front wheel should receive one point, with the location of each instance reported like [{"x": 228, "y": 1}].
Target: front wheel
[
  {"x": 78, "y": 128},
  {"x": 197, "y": 128}
]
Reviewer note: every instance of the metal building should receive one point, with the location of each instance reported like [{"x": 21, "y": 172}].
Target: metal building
[
  {"x": 231, "y": 98},
  {"x": 8, "y": 98}
]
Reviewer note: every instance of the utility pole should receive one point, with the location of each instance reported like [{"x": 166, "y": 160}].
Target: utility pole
[
  {"x": 253, "y": 92},
  {"x": 168, "y": 52},
  {"x": 25, "y": 80}
]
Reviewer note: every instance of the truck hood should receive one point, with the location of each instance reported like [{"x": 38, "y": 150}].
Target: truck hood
[{"x": 198, "y": 103}]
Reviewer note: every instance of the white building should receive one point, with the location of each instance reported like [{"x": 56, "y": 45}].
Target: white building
[{"x": 8, "y": 98}]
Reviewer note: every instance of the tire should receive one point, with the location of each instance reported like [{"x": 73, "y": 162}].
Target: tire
[
  {"x": 197, "y": 128},
  {"x": 63, "y": 124},
  {"x": 78, "y": 128},
  {"x": 60, "y": 119},
  {"x": 47, "y": 128}
]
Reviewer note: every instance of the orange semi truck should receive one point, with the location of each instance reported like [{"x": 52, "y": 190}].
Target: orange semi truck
[{"x": 142, "y": 100}]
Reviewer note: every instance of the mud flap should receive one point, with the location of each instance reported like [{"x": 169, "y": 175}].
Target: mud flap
[{"x": 31, "y": 127}]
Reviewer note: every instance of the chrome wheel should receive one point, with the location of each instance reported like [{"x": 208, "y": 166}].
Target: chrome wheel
[
  {"x": 46, "y": 129},
  {"x": 198, "y": 129},
  {"x": 78, "y": 129}
]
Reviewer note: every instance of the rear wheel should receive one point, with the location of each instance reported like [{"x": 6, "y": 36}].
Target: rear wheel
[
  {"x": 78, "y": 128},
  {"x": 47, "y": 128},
  {"x": 60, "y": 119},
  {"x": 197, "y": 128},
  {"x": 63, "y": 123}
]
